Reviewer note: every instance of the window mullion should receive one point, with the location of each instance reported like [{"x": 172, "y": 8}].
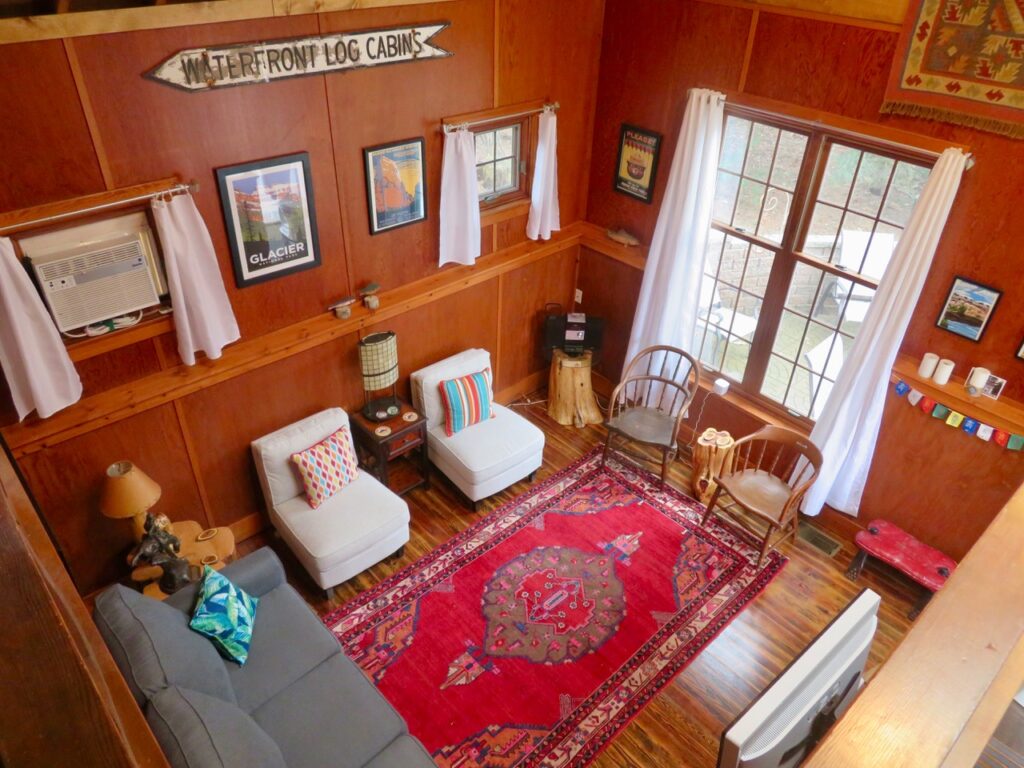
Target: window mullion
[{"x": 784, "y": 263}]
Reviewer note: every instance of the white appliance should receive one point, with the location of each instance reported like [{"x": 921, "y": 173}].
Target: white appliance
[
  {"x": 781, "y": 727},
  {"x": 96, "y": 271}
]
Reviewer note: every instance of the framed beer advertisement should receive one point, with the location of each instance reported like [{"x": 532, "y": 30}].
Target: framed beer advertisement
[
  {"x": 396, "y": 191},
  {"x": 269, "y": 217},
  {"x": 637, "y": 165}
]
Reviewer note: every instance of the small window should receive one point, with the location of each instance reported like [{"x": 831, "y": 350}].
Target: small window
[{"x": 500, "y": 170}]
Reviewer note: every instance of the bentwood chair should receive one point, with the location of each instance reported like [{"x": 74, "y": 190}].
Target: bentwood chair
[
  {"x": 767, "y": 476},
  {"x": 650, "y": 402}
]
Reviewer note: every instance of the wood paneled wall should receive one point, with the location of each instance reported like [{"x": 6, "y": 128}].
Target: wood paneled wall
[
  {"x": 99, "y": 124},
  {"x": 935, "y": 481}
]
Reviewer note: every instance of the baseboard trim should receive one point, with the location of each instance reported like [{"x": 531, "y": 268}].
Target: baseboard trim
[
  {"x": 531, "y": 383},
  {"x": 249, "y": 526}
]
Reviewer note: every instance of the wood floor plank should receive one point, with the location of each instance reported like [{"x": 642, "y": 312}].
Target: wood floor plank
[{"x": 682, "y": 725}]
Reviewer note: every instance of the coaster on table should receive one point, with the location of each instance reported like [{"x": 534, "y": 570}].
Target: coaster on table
[
  {"x": 382, "y": 431},
  {"x": 410, "y": 416},
  {"x": 206, "y": 535}
]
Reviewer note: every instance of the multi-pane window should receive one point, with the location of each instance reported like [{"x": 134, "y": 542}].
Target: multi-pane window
[
  {"x": 498, "y": 161},
  {"x": 805, "y": 223}
]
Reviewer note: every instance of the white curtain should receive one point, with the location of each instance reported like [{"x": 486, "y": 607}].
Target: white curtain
[
  {"x": 35, "y": 361},
  {"x": 203, "y": 319},
  {"x": 666, "y": 312},
  {"x": 460, "y": 203},
  {"x": 544, "y": 217},
  {"x": 847, "y": 429}
]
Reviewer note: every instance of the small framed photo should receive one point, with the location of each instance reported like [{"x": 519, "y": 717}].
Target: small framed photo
[
  {"x": 1020, "y": 351},
  {"x": 396, "y": 189},
  {"x": 637, "y": 165},
  {"x": 968, "y": 308},
  {"x": 270, "y": 217},
  {"x": 993, "y": 387}
]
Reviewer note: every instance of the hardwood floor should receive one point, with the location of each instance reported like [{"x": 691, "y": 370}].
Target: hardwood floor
[{"x": 682, "y": 725}]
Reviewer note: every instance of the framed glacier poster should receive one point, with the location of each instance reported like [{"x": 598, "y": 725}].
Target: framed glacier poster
[
  {"x": 269, "y": 217},
  {"x": 395, "y": 184}
]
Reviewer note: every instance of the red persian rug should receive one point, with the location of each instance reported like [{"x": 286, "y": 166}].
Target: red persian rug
[
  {"x": 960, "y": 61},
  {"x": 531, "y": 638}
]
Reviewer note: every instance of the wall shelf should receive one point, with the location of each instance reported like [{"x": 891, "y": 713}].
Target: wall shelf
[{"x": 1004, "y": 413}]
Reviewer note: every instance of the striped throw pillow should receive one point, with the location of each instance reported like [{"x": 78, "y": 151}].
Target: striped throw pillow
[
  {"x": 466, "y": 401},
  {"x": 327, "y": 467}
]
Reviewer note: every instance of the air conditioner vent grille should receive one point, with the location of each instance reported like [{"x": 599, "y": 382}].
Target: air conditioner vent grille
[{"x": 99, "y": 283}]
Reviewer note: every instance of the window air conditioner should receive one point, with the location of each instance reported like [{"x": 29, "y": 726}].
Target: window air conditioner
[{"x": 97, "y": 271}]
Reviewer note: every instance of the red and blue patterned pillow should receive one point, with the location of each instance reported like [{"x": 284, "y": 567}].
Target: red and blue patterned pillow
[
  {"x": 466, "y": 401},
  {"x": 327, "y": 467}
]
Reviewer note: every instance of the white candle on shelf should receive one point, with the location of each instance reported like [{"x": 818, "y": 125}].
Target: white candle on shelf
[
  {"x": 977, "y": 380},
  {"x": 927, "y": 366},
  {"x": 943, "y": 371}
]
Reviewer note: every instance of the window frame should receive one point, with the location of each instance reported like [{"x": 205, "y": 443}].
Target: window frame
[
  {"x": 527, "y": 115},
  {"x": 820, "y": 138},
  {"x": 524, "y": 168}
]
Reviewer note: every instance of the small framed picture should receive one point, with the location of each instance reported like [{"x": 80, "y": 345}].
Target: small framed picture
[
  {"x": 968, "y": 308},
  {"x": 1020, "y": 351},
  {"x": 270, "y": 217},
  {"x": 993, "y": 387},
  {"x": 637, "y": 165},
  {"x": 396, "y": 189}
]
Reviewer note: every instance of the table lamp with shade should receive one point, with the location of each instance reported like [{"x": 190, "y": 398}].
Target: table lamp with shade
[
  {"x": 128, "y": 492},
  {"x": 378, "y": 361}
]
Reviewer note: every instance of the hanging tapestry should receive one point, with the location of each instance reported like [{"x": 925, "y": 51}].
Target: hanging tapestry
[{"x": 960, "y": 61}]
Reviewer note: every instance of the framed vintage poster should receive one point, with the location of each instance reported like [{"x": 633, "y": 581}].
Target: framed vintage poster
[
  {"x": 637, "y": 166},
  {"x": 968, "y": 308},
  {"x": 395, "y": 184},
  {"x": 270, "y": 217}
]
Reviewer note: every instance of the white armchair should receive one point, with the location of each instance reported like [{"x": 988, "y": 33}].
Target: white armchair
[
  {"x": 359, "y": 526},
  {"x": 486, "y": 457}
]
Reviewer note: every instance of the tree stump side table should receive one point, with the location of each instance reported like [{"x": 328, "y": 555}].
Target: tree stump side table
[
  {"x": 711, "y": 452},
  {"x": 571, "y": 397}
]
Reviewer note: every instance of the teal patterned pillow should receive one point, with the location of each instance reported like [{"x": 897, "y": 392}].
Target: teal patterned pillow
[{"x": 225, "y": 614}]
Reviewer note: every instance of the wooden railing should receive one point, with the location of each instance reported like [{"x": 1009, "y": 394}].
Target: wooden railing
[
  {"x": 940, "y": 696},
  {"x": 62, "y": 699}
]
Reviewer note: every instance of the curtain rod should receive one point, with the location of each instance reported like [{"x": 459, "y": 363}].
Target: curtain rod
[
  {"x": 192, "y": 187},
  {"x": 553, "y": 107}
]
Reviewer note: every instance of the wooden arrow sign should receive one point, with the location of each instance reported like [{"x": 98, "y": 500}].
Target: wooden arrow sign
[{"x": 202, "y": 69}]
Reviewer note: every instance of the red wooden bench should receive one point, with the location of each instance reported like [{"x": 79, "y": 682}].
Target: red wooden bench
[{"x": 891, "y": 544}]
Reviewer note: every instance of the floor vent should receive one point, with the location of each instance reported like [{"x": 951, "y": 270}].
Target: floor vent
[{"x": 819, "y": 540}]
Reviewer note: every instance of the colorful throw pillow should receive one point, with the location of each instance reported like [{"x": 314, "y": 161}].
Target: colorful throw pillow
[
  {"x": 466, "y": 401},
  {"x": 225, "y": 614},
  {"x": 327, "y": 467}
]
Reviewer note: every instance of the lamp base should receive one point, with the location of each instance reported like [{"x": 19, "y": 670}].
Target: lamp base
[{"x": 382, "y": 409}]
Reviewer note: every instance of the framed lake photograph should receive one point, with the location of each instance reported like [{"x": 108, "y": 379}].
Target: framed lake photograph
[
  {"x": 638, "y": 162},
  {"x": 269, "y": 217},
  {"x": 395, "y": 185},
  {"x": 968, "y": 308}
]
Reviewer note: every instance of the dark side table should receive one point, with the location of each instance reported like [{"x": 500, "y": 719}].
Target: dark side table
[{"x": 407, "y": 435}]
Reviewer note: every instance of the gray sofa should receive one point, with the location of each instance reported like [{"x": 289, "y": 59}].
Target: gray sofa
[{"x": 297, "y": 702}]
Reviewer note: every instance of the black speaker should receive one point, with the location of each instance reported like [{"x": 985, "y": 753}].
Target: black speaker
[{"x": 575, "y": 333}]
